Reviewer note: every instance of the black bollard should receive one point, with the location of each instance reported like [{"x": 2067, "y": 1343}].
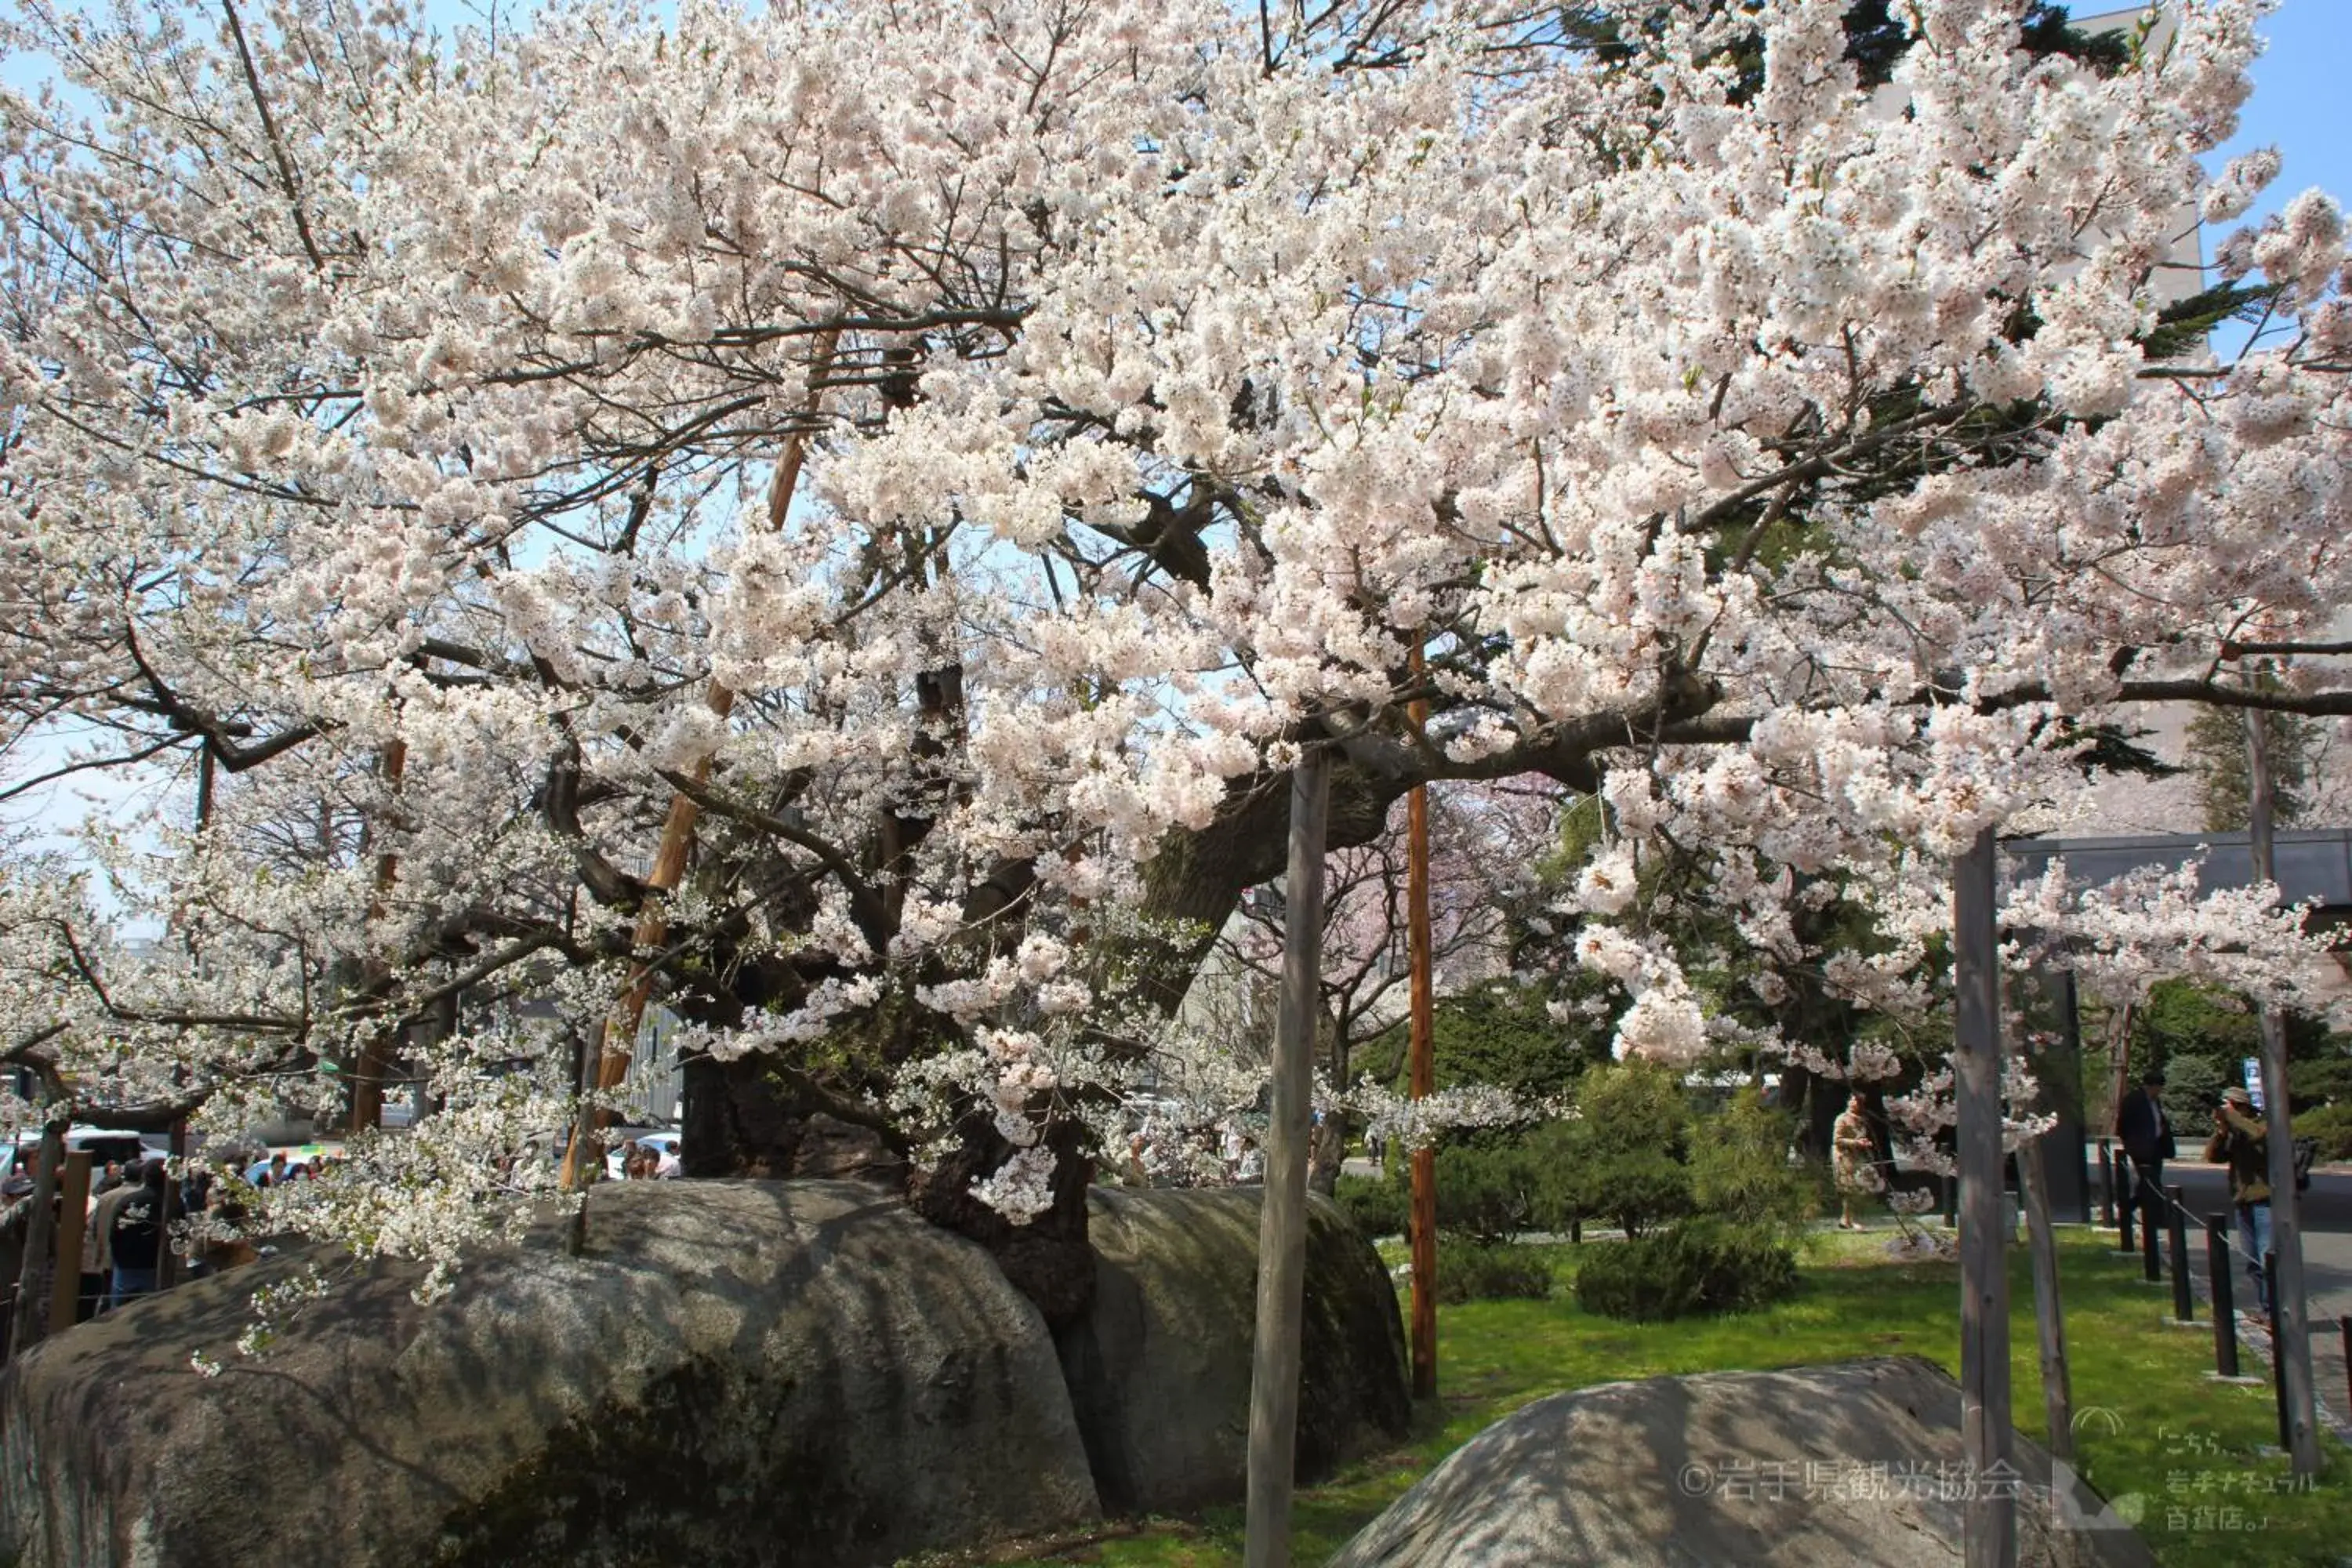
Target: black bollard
[
  {"x": 2343, "y": 1326},
  {"x": 2278, "y": 1362},
  {"x": 2107, "y": 1185},
  {"x": 2184, "y": 1305},
  {"x": 2126, "y": 1199},
  {"x": 2150, "y": 1199},
  {"x": 2223, "y": 1267}
]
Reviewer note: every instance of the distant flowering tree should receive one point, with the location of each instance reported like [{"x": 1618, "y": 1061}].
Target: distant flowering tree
[{"x": 1769, "y": 427}]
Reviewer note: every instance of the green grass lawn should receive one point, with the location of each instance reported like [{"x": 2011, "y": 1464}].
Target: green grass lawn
[{"x": 2186, "y": 1447}]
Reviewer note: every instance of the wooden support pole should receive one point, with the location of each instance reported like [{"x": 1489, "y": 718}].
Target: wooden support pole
[
  {"x": 33, "y": 1284},
  {"x": 2344, "y": 1331},
  {"x": 1421, "y": 1076},
  {"x": 2290, "y": 1309},
  {"x": 376, "y": 1050},
  {"x": 1282, "y": 1225},
  {"x": 585, "y": 1155},
  {"x": 1989, "y": 1523},
  {"x": 2049, "y": 1315},
  {"x": 73, "y": 1212},
  {"x": 2278, "y": 1362}
]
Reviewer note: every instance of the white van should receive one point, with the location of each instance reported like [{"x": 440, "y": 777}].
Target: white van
[{"x": 104, "y": 1145}]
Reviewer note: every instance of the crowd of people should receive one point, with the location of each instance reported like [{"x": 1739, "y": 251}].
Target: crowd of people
[
  {"x": 649, "y": 1161},
  {"x": 136, "y": 1214}
]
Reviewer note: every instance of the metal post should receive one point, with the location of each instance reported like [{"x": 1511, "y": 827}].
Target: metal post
[
  {"x": 2107, "y": 1185},
  {"x": 2148, "y": 1194},
  {"x": 1282, "y": 1226},
  {"x": 2290, "y": 1325},
  {"x": 2223, "y": 1270},
  {"x": 1989, "y": 1523},
  {"x": 2184, "y": 1303}
]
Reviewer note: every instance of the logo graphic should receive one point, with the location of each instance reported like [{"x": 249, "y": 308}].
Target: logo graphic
[{"x": 2096, "y": 1418}]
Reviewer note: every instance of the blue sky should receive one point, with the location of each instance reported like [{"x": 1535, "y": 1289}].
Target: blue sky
[{"x": 2301, "y": 84}]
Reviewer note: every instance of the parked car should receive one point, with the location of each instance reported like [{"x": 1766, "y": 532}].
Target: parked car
[{"x": 104, "y": 1145}]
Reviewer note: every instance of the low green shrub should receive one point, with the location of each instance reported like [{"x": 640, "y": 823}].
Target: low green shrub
[
  {"x": 1378, "y": 1207},
  {"x": 1700, "y": 1266},
  {"x": 1471, "y": 1271},
  {"x": 2330, "y": 1126},
  {"x": 1489, "y": 1186}
]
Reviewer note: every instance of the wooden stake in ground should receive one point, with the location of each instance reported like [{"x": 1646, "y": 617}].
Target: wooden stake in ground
[
  {"x": 1422, "y": 1071},
  {"x": 618, "y": 1041},
  {"x": 1988, "y": 1524},
  {"x": 1282, "y": 1222},
  {"x": 2290, "y": 1319},
  {"x": 2050, "y": 1320}
]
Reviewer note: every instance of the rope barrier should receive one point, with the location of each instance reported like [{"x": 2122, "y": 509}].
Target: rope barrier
[{"x": 2188, "y": 1216}]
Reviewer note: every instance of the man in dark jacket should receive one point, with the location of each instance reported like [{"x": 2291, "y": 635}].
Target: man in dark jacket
[
  {"x": 136, "y": 1236},
  {"x": 2146, "y": 1134},
  {"x": 2241, "y": 1140}
]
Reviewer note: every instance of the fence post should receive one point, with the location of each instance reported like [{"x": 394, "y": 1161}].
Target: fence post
[
  {"x": 2107, "y": 1185},
  {"x": 2126, "y": 1199},
  {"x": 2223, "y": 1268},
  {"x": 2184, "y": 1304},
  {"x": 2148, "y": 1196}
]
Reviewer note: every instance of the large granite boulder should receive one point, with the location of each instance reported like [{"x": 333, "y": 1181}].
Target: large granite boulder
[
  {"x": 1858, "y": 1464},
  {"x": 1159, "y": 1368},
  {"x": 726, "y": 1373}
]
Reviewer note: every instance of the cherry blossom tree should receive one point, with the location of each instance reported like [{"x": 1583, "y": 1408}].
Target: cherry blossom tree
[{"x": 1774, "y": 430}]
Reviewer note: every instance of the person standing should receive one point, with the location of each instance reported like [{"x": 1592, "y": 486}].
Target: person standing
[
  {"x": 98, "y": 1244},
  {"x": 2146, "y": 1134},
  {"x": 2241, "y": 1140},
  {"x": 136, "y": 1238},
  {"x": 1854, "y": 1159}
]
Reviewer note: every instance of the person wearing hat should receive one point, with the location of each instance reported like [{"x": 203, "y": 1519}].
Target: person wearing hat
[
  {"x": 2241, "y": 1140},
  {"x": 2146, "y": 1134}
]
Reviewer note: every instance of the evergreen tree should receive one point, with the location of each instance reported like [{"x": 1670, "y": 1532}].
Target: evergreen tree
[{"x": 2217, "y": 754}]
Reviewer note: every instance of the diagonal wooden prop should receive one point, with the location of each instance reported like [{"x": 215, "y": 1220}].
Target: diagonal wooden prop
[{"x": 619, "y": 1036}]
